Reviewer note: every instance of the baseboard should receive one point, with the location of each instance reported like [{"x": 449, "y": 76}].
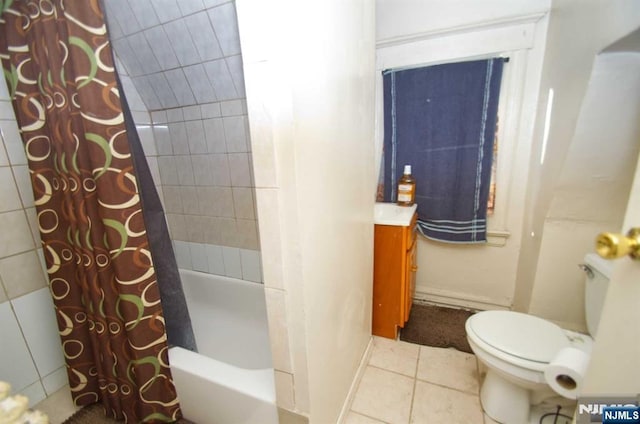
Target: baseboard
[
  {"x": 346, "y": 406},
  {"x": 457, "y": 300}
]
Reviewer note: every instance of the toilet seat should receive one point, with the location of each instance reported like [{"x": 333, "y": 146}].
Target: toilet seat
[{"x": 517, "y": 337}]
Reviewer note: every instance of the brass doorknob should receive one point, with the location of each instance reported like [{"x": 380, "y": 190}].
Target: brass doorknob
[{"x": 612, "y": 245}]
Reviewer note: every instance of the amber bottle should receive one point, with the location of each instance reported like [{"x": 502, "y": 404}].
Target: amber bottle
[{"x": 406, "y": 188}]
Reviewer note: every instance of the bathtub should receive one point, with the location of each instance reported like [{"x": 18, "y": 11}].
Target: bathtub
[{"x": 230, "y": 380}]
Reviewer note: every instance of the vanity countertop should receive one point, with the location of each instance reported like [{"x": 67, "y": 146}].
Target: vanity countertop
[{"x": 392, "y": 214}]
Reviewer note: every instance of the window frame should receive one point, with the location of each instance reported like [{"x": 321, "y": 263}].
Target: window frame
[{"x": 512, "y": 40}]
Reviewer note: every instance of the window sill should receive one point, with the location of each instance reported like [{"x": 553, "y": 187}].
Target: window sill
[{"x": 497, "y": 238}]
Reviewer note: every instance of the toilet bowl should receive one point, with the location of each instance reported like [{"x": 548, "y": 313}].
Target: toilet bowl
[{"x": 516, "y": 348}]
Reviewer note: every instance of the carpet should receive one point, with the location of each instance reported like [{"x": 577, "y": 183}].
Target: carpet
[
  {"x": 94, "y": 414},
  {"x": 437, "y": 326}
]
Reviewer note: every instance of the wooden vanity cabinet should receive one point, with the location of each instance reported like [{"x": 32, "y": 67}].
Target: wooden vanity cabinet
[{"x": 394, "y": 277}]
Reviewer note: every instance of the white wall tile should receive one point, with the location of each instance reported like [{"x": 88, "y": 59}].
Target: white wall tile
[
  {"x": 234, "y": 63},
  {"x": 6, "y": 110},
  {"x": 4, "y": 91},
  {"x": 183, "y": 254},
  {"x": 200, "y": 85},
  {"x": 192, "y": 113},
  {"x": 235, "y": 131},
  {"x": 202, "y": 172},
  {"x": 147, "y": 92},
  {"x": 160, "y": 46},
  {"x": 243, "y": 202},
  {"x": 184, "y": 169},
  {"x": 220, "y": 78},
  {"x": 284, "y": 390},
  {"x": 162, "y": 138},
  {"x": 16, "y": 233},
  {"x": 215, "y": 259},
  {"x": 270, "y": 236},
  {"x": 196, "y": 137},
  {"x": 180, "y": 87},
  {"x": 239, "y": 169},
  {"x": 168, "y": 171},
  {"x": 22, "y": 274},
  {"x": 35, "y": 313},
  {"x": 144, "y": 13},
  {"x": 251, "y": 268},
  {"x": 16, "y": 366},
  {"x": 181, "y": 42},
  {"x": 232, "y": 107},
  {"x": 167, "y": 10},
  {"x": 211, "y": 110},
  {"x": 179, "y": 140},
  {"x": 159, "y": 117},
  {"x": 278, "y": 329},
  {"x": 220, "y": 170},
  {"x": 121, "y": 11},
  {"x": 153, "y": 168},
  {"x": 225, "y": 24},
  {"x": 23, "y": 181},
  {"x": 175, "y": 115},
  {"x": 163, "y": 90},
  {"x": 203, "y": 36},
  {"x": 9, "y": 198},
  {"x": 144, "y": 54},
  {"x": 199, "y": 257},
  {"x": 190, "y": 203},
  {"x": 189, "y": 7},
  {"x": 232, "y": 264},
  {"x": 127, "y": 56},
  {"x": 55, "y": 381},
  {"x": 214, "y": 131},
  {"x": 13, "y": 142},
  {"x": 32, "y": 220},
  {"x": 34, "y": 392},
  {"x": 145, "y": 132}
]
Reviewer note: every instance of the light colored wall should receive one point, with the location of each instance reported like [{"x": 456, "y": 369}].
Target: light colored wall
[
  {"x": 413, "y": 33},
  {"x": 591, "y": 194},
  {"x": 310, "y": 95},
  {"x": 30, "y": 357},
  {"x": 578, "y": 30}
]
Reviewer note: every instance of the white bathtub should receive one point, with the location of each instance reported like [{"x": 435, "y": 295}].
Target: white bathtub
[{"x": 230, "y": 380}]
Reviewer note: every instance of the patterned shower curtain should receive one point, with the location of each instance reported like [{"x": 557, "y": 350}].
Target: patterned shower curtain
[{"x": 59, "y": 68}]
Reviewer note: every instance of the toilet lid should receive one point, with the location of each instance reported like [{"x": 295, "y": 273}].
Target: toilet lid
[{"x": 520, "y": 335}]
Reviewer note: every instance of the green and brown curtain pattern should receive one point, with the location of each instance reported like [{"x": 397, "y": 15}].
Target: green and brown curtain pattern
[{"x": 58, "y": 64}]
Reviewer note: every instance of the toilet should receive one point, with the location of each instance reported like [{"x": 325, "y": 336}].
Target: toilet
[{"x": 516, "y": 348}]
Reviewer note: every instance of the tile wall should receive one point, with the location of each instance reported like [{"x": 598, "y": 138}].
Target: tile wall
[
  {"x": 31, "y": 358},
  {"x": 181, "y": 61}
]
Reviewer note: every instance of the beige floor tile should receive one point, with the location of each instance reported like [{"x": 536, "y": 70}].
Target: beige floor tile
[
  {"x": 489, "y": 420},
  {"x": 384, "y": 395},
  {"x": 448, "y": 367},
  {"x": 355, "y": 418},
  {"x": 58, "y": 406},
  {"x": 394, "y": 355},
  {"x": 436, "y": 404}
]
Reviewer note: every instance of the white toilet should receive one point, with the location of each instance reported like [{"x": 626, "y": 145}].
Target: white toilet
[{"x": 517, "y": 347}]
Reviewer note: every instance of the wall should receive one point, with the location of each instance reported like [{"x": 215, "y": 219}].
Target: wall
[
  {"x": 31, "y": 357},
  {"x": 183, "y": 59},
  {"x": 310, "y": 94},
  {"x": 413, "y": 33},
  {"x": 577, "y": 32}
]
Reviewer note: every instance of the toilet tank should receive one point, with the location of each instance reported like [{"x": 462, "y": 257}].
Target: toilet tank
[{"x": 597, "y": 274}]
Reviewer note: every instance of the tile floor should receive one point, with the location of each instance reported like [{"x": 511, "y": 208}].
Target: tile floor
[{"x": 409, "y": 383}]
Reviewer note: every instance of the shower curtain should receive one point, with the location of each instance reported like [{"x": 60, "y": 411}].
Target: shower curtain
[{"x": 59, "y": 69}]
